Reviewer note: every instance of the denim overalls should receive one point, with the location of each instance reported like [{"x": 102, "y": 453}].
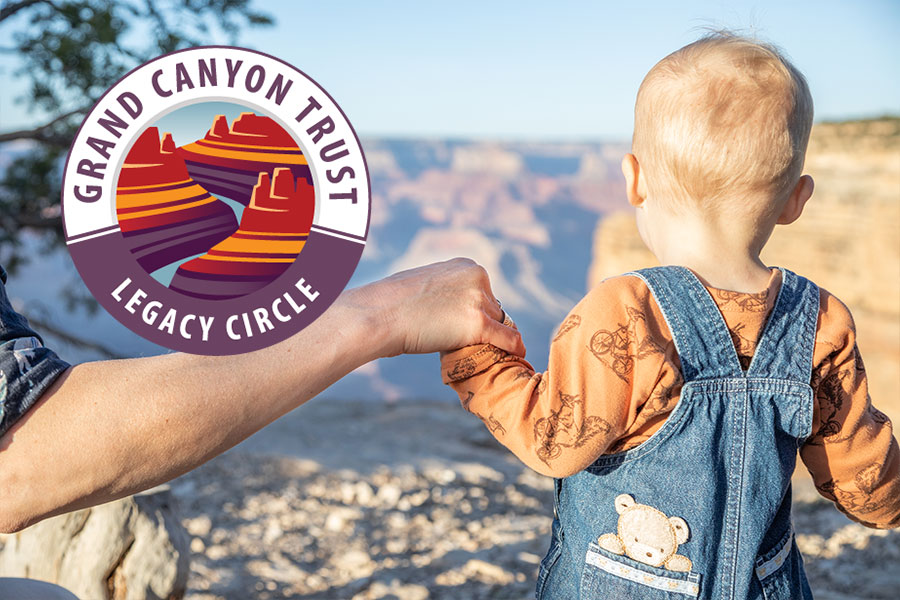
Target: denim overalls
[{"x": 702, "y": 509}]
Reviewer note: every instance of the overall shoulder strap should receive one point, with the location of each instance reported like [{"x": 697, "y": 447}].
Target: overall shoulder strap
[
  {"x": 698, "y": 329},
  {"x": 785, "y": 347}
]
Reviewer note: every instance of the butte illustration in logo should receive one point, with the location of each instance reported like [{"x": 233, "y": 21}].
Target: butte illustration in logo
[{"x": 216, "y": 200}]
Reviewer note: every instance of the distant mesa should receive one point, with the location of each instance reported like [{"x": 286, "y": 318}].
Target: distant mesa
[
  {"x": 164, "y": 215},
  {"x": 273, "y": 230},
  {"x": 228, "y": 160}
]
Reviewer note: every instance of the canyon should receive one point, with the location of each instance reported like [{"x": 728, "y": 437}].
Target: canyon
[{"x": 173, "y": 203}]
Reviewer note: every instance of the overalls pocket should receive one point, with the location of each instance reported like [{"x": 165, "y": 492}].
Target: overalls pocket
[
  {"x": 780, "y": 571},
  {"x": 607, "y": 575}
]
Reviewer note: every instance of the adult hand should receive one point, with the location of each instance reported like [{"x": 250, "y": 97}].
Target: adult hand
[{"x": 442, "y": 306}]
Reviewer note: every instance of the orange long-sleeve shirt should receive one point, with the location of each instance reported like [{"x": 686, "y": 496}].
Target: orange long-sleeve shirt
[{"x": 614, "y": 376}]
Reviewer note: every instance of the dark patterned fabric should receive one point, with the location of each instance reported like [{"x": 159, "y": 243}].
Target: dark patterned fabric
[{"x": 27, "y": 368}]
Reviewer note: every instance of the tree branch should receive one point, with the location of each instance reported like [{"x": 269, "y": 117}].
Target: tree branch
[
  {"x": 40, "y": 325},
  {"x": 11, "y": 9},
  {"x": 36, "y": 222},
  {"x": 41, "y": 133}
]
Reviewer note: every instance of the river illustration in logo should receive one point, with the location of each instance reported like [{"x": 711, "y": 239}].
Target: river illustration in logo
[{"x": 219, "y": 216}]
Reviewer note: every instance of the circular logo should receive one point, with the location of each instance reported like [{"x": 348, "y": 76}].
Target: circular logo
[{"x": 216, "y": 200}]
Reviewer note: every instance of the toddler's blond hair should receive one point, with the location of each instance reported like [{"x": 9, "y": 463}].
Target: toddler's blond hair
[{"x": 725, "y": 117}]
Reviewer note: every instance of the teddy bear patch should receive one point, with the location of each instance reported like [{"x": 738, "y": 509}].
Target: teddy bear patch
[{"x": 647, "y": 535}]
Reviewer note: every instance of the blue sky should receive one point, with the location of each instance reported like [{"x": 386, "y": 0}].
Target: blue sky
[
  {"x": 191, "y": 122},
  {"x": 541, "y": 70}
]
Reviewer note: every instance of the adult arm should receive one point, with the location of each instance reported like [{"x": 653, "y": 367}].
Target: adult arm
[{"x": 105, "y": 430}]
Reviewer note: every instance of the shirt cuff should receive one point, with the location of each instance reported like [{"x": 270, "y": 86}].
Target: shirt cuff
[
  {"x": 27, "y": 369},
  {"x": 472, "y": 360}
]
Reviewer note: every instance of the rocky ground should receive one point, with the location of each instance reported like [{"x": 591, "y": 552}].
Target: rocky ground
[{"x": 414, "y": 500}]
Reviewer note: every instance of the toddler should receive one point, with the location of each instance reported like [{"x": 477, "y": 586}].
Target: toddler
[{"x": 677, "y": 397}]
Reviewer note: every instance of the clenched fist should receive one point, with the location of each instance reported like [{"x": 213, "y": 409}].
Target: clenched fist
[{"x": 438, "y": 307}]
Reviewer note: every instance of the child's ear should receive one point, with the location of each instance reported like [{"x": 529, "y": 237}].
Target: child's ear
[
  {"x": 797, "y": 200},
  {"x": 631, "y": 169}
]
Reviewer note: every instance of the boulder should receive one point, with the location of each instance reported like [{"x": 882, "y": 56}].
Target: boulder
[{"x": 131, "y": 549}]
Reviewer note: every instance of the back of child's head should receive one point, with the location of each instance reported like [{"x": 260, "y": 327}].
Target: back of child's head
[{"x": 722, "y": 125}]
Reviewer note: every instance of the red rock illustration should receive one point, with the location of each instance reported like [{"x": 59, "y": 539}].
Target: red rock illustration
[
  {"x": 228, "y": 160},
  {"x": 273, "y": 231},
  {"x": 164, "y": 215}
]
